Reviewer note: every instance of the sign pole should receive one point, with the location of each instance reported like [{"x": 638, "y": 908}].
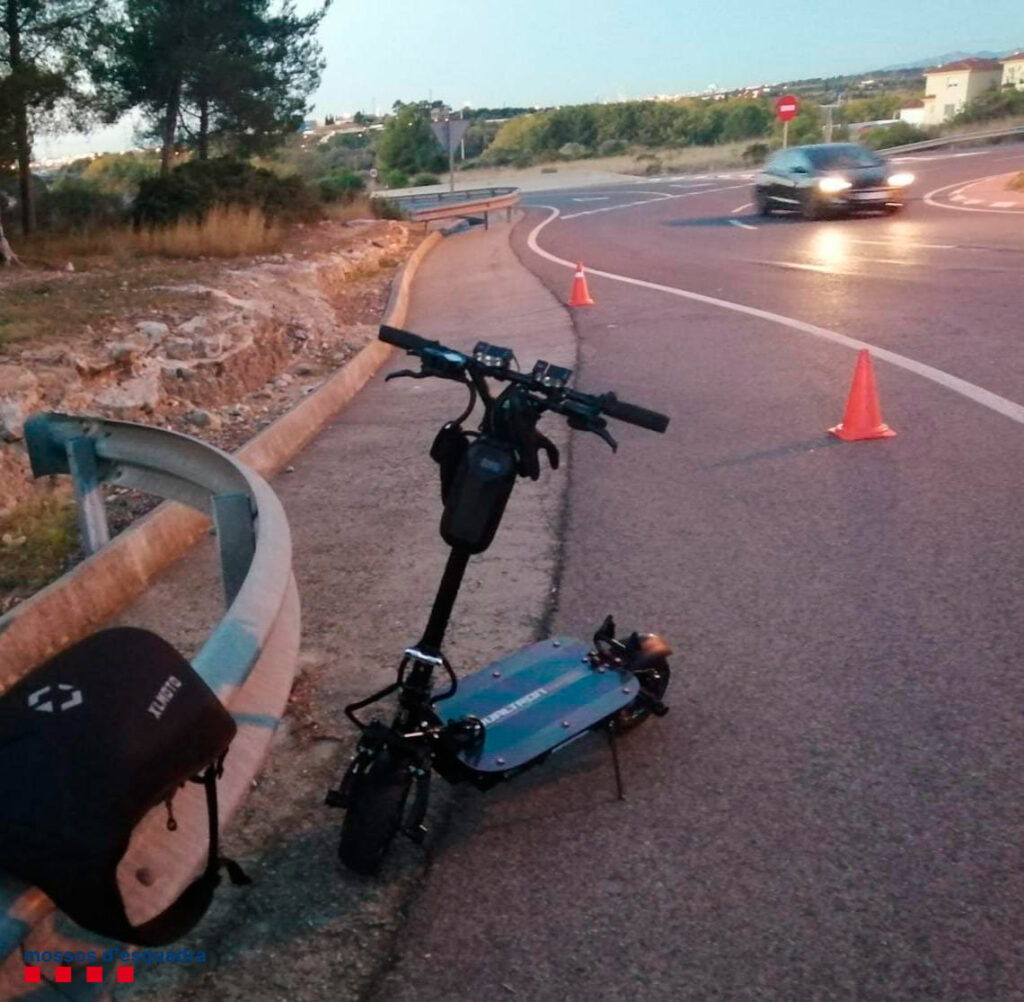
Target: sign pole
[
  {"x": 785, "y": 134},
  {"x": 451, "y": 158}
]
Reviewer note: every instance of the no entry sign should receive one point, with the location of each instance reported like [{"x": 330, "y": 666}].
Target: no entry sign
[{"x": 786, "y": 107}]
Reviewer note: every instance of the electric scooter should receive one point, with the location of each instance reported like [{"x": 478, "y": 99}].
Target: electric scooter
[{"x": 493, "y": 724}]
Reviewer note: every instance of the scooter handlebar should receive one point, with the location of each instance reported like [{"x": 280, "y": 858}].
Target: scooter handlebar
[
  {"x": 632, "y": 414},
  {"x": 405, "y": 340},
  {"x": 607, "y": 403}
]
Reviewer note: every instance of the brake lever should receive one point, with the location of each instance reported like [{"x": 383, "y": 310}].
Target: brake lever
[
  {"x": 606, "y": 435},
  {"x": 595, "y": 424},
  {"x": 405, "y": 373}
]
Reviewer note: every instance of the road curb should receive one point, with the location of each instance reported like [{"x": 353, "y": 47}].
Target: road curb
[{"x": 100, "y": 586}]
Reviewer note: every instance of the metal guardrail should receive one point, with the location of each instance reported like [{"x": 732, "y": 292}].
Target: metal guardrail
[
  {"x": 967, "y": 137},
  {"x": 454, "y": 204},
  {"x": 249, "y": 658}
]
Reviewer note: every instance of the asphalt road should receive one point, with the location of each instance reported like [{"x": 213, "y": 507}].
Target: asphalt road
[{"x": 834, "y": 807}]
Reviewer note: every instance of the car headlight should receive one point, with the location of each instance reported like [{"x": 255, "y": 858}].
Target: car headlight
[
  {"x": 900, "y": 180},
  {"x": 831, "y": 185}
]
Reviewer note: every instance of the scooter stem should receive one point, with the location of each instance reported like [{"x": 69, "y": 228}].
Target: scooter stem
[{"x": 441, "y": 612}]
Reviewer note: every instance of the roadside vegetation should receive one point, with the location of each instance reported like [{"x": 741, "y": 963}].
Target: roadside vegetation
[
  {"x": 39, "y": 539},
  {"x": 1017, "y": 183}
]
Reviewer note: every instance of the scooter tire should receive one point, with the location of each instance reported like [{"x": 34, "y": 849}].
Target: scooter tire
[
  {"x": 655, "y": 682},
  {"x": 374, "y": 815}
]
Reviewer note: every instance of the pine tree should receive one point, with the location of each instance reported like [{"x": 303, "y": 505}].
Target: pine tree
[
  {"x": 43, "y": 44},
  {"x": 229, "y": 73}
]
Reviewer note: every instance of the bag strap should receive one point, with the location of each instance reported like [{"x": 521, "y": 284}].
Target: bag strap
[{"x": 191, "y": 905}]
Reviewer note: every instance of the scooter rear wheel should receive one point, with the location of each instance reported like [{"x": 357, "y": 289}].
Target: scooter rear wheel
[
  {"x": 654, "y": 682},
  {"x": 375, "y": 812}
]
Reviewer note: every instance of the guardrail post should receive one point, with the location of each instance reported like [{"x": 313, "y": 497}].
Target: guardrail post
[
  {"x": 236, "y": 540},
  {"x": 92, "y": 516}
]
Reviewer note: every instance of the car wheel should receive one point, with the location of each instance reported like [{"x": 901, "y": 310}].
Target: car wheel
[
  {"x": 809, "y": 207},
  {"x": 763, "y": 204}
]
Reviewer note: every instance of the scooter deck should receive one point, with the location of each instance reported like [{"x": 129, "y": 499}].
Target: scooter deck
[{"x": 534, "y": 700}]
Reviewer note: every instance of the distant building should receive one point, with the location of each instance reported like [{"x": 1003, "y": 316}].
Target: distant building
[
  {"x": 913, "y": 113},
  {"x": 948, "y": 88},
  {"x": 1013, "y": 71}
]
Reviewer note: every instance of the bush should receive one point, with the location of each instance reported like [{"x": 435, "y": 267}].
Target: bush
[
  {"x": 76, "y": 205},
  {"x": 192, "y": 189},
  {"x": 573, "y": 151},
  {"x": 421, "y": 180},
  {"x": 755, "y": 154},
  {"x": 395, "y": 179},
  {"x": 1017, "y": 183},
  {"x": 611, "y": 147},
  {"x": 992, "y": 104},
  {"x": 343, "y": 187},
  {"x": 384, "y": 208},
  {"x": 899, "y": 134}
]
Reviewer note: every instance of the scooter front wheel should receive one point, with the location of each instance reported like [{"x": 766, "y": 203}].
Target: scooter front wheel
[{"x": 375, "y": 812}]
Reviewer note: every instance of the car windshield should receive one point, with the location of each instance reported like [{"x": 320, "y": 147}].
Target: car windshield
[{"x": 840, "y": 157}]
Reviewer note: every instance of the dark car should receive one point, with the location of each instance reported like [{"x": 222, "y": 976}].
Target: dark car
[{"x": 829, "y": 177}]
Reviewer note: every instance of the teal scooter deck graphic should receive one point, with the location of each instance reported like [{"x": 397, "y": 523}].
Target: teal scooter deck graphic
[{"x": 535, "y": 699}]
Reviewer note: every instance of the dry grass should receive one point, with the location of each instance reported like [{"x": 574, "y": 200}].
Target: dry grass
[
  {"x": 227, "y": 231},
  {"x": 1017, "y": 183},
  {"x": 38, "y": 539},
  {"x": 359, "y": 208}
]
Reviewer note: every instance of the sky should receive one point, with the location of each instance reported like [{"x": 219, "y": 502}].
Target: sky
[{"x": 543, "y": 52}]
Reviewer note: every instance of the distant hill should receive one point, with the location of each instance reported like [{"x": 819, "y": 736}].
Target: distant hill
[{"x": 946, "y": 57}]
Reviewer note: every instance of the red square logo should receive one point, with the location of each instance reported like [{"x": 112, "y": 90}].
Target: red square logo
[
  {"x": 33, "y": 975},
  {"x": 62, "y": 975},
  {"x": 125, "y": 974},
  {"x": 94, "y": 975}
]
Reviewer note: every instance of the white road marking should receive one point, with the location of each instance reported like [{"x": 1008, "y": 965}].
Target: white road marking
[
  {"x": 661, "y": 196},
  {"x": 745, "y": 226},
  {"x": 592, "y": 198},
  {"x": 973, "y": 201},
  {"x": 930, "y": 198},
  {"x": 994, "y": 402},
  {"x": 699, "y": 184},
  {"x": 898, "y": 244},
  {"x": 1003, "y": 205},
  {"x": 740, "y": 208},
  {"x": 798, "y": 266}
]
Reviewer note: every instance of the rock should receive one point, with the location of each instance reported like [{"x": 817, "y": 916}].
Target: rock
[
  {"x": 304, "y": 369},
  {"x": 202, "y": 419},
  {"x": 197, "y": 325},
  {"x": 124, "y": 352},
  {"x": 153, "y": 330},
  {"x": 91, "y": 366},
  {"x": 19, "y": 394},
  {"x": 178, "y": 348},
  {"x": 141, "y": 393},
  {"x": 210, "y": 347},
  {"x": 283, "y": 381},
  {"x": 69, "y": 267}
]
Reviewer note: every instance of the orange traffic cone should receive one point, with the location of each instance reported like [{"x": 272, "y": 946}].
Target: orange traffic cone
[
  {"x": 863, "y": 417},
  {"x": 580, "y": 296}
]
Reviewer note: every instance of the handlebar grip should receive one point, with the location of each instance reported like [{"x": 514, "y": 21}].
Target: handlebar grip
[
  {"x": 632, "y": 414},
  {"x": 405, "y": 340}
]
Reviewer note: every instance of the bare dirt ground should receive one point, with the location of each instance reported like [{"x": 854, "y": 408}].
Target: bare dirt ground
[{"x": 215, "y": 349}]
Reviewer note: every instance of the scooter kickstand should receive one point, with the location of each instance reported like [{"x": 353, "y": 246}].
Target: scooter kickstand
[{"x": 615, "y": 760}]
